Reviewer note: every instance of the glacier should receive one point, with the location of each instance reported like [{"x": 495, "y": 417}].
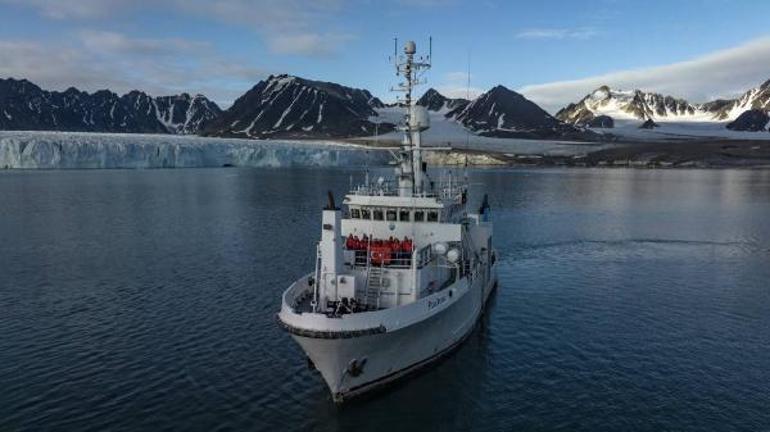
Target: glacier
[{"x": 84, "y": 150}]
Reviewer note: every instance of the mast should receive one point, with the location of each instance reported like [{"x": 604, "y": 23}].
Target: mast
[{"x": 410, "y": 173}]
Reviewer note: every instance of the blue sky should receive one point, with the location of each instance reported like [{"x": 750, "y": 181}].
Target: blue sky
[{"x": 552, "y": 51}]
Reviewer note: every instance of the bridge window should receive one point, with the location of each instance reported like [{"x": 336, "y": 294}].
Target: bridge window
[
  {"x": 390, "y": 215},
  {"x": 432, "y": 216},
  {"x": 366, "y": 214},
  {"x": 419, "y": 216},
  {"x": 403, "y": 215},
  {"x": 355, "y": 213},
  {"x": 378, "y": 214}
]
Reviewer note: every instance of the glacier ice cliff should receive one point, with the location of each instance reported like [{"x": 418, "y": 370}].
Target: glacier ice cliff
[{"x": 74, "y": 150}]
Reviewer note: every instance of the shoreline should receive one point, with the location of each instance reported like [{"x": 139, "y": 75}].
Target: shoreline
[
  {"x": 711, "y": 153},
  {"x": 73, "y": 150}
]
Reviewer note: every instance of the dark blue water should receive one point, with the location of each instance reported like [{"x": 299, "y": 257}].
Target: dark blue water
[{"x": 146, "y": 300}]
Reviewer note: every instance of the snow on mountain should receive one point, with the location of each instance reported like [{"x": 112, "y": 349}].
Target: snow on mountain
[
  {"x": 435, "y": 101},
  {"x": 184, "y": 114},
  {"x": 288, "y": 106},
  {"x": 25, "y": 106},
  {"x": 68, "y": 150},
  {"x": 501, "y": 112},
  {"x": 445, "y": 131},
  {"x": 757, "y": 98},
  {"x": 638, "y": 106},
  {"x": 627, "y": 105}
]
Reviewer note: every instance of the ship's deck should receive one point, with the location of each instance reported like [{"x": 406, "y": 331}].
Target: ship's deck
[{"x": 303, "y": 302}]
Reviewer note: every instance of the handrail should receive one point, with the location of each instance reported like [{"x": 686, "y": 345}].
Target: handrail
[
  {"x": 441, "y": 189},
  {"x": 361, "y": 260}
]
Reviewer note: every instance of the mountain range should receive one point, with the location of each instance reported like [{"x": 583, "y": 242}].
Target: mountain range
[
  {"x": 604, "y": 106},
  {"x": 502, "y": 113},
  {"x": 286, "y": 106},
  {"x": 25, "y": 106}
]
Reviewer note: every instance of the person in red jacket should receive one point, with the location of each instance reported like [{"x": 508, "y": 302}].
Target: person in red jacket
[{"x": 350, "y": 243}]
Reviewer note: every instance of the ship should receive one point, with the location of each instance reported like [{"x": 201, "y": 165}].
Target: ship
[{"x": 403, "y": 269}]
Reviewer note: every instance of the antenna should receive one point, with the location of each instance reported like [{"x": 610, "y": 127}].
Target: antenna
[
  {"x": 468, "y": 76},
  {"x": 395, "y": 53},
  {"x": 468, "y": 96},
  {"x": 430, "y": 49}
]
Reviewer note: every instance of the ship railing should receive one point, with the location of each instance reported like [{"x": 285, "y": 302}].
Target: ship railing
[
  {"x": 441, "y": 189},
  {"x": 362, "y": 258},
  {"x": 300, "y": 294},
  {"x": 380, "y": 188},
  {"x": 397, "y": 259}
]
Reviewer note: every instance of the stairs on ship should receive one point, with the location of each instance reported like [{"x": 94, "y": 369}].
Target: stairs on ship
[{"x": 374, "y": 285}]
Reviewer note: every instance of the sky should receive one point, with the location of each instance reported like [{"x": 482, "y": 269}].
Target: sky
[{"x": 554, "y": 52}]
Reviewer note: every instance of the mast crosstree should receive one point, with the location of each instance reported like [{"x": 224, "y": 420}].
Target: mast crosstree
[{"x": 411, "y": 172}]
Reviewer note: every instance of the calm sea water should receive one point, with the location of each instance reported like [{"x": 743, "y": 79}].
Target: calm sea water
[{"x": 146, "y": 300}]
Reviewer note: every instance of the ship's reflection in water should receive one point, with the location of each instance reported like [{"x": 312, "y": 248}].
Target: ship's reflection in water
[{"x": 145, "y": 300}]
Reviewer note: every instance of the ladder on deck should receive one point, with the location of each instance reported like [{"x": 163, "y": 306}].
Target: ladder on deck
[{"x": 374, "y": 285}]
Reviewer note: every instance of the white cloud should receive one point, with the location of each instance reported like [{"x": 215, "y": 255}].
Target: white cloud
[
  {"x": 721, "y": 74},
  {"x": 121, "y": 64},
  {"x": 76, "y": 9},
  {"x": 311, "y": 44},
  {"x": 117, "y": 43},
  {"x": 288, "y": 26},
  {"x": 455, "y": 85},
  {"x": 57, "y": 67},
  {"x": 558, "y": 33}
]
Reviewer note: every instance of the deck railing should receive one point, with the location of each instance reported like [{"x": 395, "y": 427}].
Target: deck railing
[
  {"x": 396, "y": 259},
  {"x": 441, "y": 189}
]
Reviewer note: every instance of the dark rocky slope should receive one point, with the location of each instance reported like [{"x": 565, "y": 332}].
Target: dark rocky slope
[
  {"x": 286, "y": 106},
  {"x": 25, "y": 106}
]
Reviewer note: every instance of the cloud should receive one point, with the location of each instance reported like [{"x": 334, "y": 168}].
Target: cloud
[
  {"x": 721, "y": 74},
  {"x": 455, "y": 85},
  {"x": 116, "y": 43},
  {"x": 288, "y": 26},
  {"x": 121, "y": 64},
  {"x": 558, "y": 33},
  {"x": 76, "y": 9},
  {"x": 58, "y": 67},
  {"x": 311, "y": 44}
]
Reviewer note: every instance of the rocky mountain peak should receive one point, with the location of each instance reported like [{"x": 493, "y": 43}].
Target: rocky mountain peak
[
  {"x": 502, "y": 112},
  {"x": 435, "y": 101},
  {"x": 25, "y": 106},
  {"x": 627, "y": 105},
  {"x": 289, "y": 106}
]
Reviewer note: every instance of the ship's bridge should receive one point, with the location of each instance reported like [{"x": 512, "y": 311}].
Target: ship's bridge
[{"x": 381, "y": 202}]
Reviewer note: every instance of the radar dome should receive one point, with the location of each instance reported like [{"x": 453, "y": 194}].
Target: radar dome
[
  {"x": 410, "y": 47},
  {"x": 440, "y": 248},
  {"x": 453, "y": 255}
]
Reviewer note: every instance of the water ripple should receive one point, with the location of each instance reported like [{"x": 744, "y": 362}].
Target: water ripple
[{"x": 147, "y": 300}]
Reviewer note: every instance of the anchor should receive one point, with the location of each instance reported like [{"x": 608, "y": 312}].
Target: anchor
[{"x": 356, "y": 367}]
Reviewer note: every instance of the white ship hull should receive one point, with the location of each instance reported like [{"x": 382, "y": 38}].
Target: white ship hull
[
  {"x": 396, "y": 353},
  {"x": 402, "y": 276}
]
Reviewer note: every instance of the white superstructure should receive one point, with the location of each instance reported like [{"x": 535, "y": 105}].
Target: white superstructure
[{"x": 402, "y": 275}]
